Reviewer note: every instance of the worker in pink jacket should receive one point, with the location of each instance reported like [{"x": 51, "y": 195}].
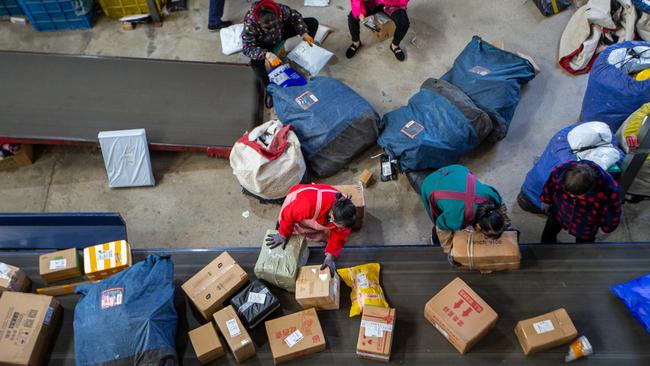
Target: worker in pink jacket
[{"x": 395, "y": 9}]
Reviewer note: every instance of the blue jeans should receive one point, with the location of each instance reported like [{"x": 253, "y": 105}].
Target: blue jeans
[{"x": 216, "y": 12}]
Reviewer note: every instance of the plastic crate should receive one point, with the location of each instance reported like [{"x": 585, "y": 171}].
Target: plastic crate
[
  {"x": 54, "y": 15},
  {"x": 122, "y": 8},
  {"x": 10, "y": 8}
]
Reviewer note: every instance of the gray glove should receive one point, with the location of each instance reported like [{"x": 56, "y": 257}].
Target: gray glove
[
  {"x": 275, "y": 240},
  {"x": 329, "y": 263}
]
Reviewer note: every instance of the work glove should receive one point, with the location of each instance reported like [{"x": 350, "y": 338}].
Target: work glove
[
  {"x": 329, "y": 263},
  {"x": 273, "y": 59},
  {"x": 307, "y": 38},
  {"x": 275, "y": 240}
]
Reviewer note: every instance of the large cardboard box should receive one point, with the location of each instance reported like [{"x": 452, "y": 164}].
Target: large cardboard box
[
  {"x": 357, "y": 193},
  {"x": 239, "y": 342},
  {"x": 214, "y": 284},
  {"x": 385, "y": 25},
  {"x": 476, "y": 251},
  {"x": 23, "y": 157},
  {"x": 13, "y": 279},
  {"x": 27, "y": 324},
  {"x": 59, "y": 266},
  {"x": 316, "y": 288},
  {"x": 103, "y": 260},
  {"x": 376, "y": 333},
  {"x": 295, "y": 335},
  {"x": 545, "y": 331},
  {"x": 206, "y": 343},
  {"x": 460, "y": 315}
]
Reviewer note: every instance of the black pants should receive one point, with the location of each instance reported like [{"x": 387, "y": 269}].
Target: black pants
[
  {"x": 400, "y": 18},
  {"x": 288, "y": 31},
  {"x": 552, "y": 228}
]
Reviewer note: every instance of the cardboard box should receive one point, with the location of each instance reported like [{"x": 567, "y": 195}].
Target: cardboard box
[
  {"x": 13, "y": 279},
  {"x": 27, "y": 324},
  {"x": 356, "y": 191},
  {"x": 376, "y": 333},
  {"x": 239, "y": 342},
  {"x": 460, "y": 315},
  {"x": 386, "y": 27},
  {"x": 103, "y": 260},
  {"x": 23, "y": 157},
  {"x": 214, "y": 284},
  {"x": 476, "y": 251},
  {"x": 318, "y": 289},
  {"x": 295, "y": 335},
  {"x": 366, "y": 178},
  {"x": 61, "y": 265},
  {"x": 206, "y": 343},
  {"x": 545, "y": 331}
]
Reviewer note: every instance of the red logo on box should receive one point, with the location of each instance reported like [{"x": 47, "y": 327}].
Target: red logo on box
[{"x": 470, "y": 301}]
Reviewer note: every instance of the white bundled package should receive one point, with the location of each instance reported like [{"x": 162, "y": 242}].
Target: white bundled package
[
  {"x": 126, "y": 156},
  {"x": 311, "y": 58},
  {"x": 231, "y": 41},
  {"x": 319, "y": 3}
]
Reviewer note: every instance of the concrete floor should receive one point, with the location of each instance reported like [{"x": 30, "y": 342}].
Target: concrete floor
[{"x": 197, "y": 202}]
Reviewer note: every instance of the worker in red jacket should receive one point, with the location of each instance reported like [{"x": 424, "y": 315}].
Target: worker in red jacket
[{"x": 320, "y": 213}]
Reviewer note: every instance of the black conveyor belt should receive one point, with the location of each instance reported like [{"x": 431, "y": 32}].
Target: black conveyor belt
[
  {"x": 576, "y": 277},
  {"x": 52, "y": 98}
]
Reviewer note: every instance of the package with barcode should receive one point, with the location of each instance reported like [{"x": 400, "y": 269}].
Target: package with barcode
[
  {"x": 233, "y": 331},
  {"x": 254, "y": 304},
  {"x": 376, "y": 333},
  {"x": 294, "y": 336},
  {"x": 60, "y": 265}
]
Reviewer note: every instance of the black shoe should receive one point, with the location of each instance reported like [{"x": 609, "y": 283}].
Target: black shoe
[
  {"x": 399, "y": 54},
  {"x": 268, "y": 101},
  {"x": 434, "y": 237},
  {"x": 352, "y": 50},
  {"x": 223, "y": 24}
]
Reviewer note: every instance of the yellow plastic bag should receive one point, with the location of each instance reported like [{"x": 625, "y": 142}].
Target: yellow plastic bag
[{"x": 366, "y": 289}]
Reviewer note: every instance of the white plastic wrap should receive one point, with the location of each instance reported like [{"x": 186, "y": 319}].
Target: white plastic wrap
[
  {"x": 126, "y": 156},
  {"x": 231, "y": 41},
  {"x": 311, "y": 58}
]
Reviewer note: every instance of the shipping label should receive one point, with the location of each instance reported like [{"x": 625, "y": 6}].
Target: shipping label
[
  {"x": 362, "y": 281},
  {"x": 58, "y": 263},
  {"x": 256, "y": 298},
  {"x": 306, "y": 100},
  {"x": 293, "y": 338},
  {"x": 375, "y": 329},
  {"x": 48, "y": 316},
  {"x": 442, "y": 331},
  {"x": 411, "y": 129},
  {"x": 543, "y": 326},
  {"x": 480, "y": 70},
  {"x": 104, "y": 254},
  {"x": 233, "y": 328},
  {"x": 112, "y": 297}
]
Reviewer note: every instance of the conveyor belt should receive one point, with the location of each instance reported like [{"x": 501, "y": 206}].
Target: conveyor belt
[
  {"x": 50, "y": 98},
  {"x": 576, "y": 277}
]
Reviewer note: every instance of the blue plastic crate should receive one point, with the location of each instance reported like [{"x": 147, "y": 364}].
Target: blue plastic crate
[
  {"x": 10, "y": 8},
  {"x": 54, "y": 15}
]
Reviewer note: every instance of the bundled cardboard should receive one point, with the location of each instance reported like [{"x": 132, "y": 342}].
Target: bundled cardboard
[
  {"x": 233, "y": 331},
  {"x": 376, "y": 333},
  {"x": 103, "y": 260},
  {"x": 279, "y": 266},
  {"x": 357, "y": 193},
  {"x": 214, "y": 284},
  {"x": 206, "y": 343},
  {"x": 460, "y": 315},
  {"x": 27, "y": 324},
  {"x": 545, "y": 331},
  {"x": 294, "y": 336},
  {"x": 476, "y": 251},
  {"x": 13, "y": 279},
  {"x": 61, "y": 265},
  {"x": 316, "y": 288}
]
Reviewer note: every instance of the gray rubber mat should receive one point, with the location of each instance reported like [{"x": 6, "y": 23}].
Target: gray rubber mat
[
  {"x": 60, "y": 98},
  {"x": 576, "y": 277}
]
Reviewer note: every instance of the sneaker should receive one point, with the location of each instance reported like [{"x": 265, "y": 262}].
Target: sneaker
[{"x": 223, "y": 24}]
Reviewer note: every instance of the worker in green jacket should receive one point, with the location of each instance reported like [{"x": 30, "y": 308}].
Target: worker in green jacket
[{"x": 445, "y": 194}]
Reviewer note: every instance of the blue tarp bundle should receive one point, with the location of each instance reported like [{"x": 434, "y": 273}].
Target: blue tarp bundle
[
  {"x": 612, "y": 95},
  {"x": 492, "y": 78},
  {"x": 128, "y": 318},
  {"x": 636, "y": 296},
  {"x": 333, "y": 123}
]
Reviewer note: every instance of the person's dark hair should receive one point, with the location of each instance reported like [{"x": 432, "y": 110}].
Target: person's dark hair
[
  {"x": 345, "y": 212},
  {"x": 267, "y": 16},
  {"x": 579, "y": 179},
  {"x": 490, "y": 220}
]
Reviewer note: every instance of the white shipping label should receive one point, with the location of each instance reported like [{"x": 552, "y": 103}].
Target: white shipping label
[
  {"x": 233, "y": 328},
  {"x": 58, "y": 264},
  {"x": 256, "y": 298},
  {"x": 543, "y": 326},
  {"x": 441, "y": 331},
  {"x": 293, "y": 338},
  {"x": 362, "y": 281},
  {"x": 103, "y": 255},
  {"x": 375, "y": 329}
]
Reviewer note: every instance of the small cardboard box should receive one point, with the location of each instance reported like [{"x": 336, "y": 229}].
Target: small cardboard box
[
  {"x": 476, "y": 251},
  {"x": 376, "y": 333},
  {"x": 237, "y": 338},
  {"x": 316, "y": 288},
  {"x": 460, "y": 315},
  {"x": 295, "y": 335},
  {"x": 214, "y": 284},
  {"x": 61, "y": 265},
  {"x": 356, "y": 191},
  {"x": 545, "y": 331},
  {"x": 27, "y": 324},
  {"x": 206, "y": 343},
  {"x": 23, "y": 157},
  {"x": 386, "y": 27},
  {"x": 103, "y": 260},
  {"x": 13, "y": 279}
]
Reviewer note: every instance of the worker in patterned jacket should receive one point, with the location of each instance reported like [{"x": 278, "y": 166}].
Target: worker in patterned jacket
[{"x": 266, "y": 26}]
